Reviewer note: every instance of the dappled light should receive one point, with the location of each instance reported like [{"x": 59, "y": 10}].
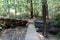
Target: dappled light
[
  {"x": 29, "y": 19},
  {"x": 12, "y": 11}
]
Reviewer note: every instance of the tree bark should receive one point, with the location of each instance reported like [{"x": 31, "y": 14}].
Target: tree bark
[
  {"x": 31, "y": 4},
  {"x": 45, "y": 17}
]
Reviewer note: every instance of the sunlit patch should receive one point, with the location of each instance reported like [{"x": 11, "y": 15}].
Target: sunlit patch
[
  {"x": 12, "y": 11},
  {"x": 41, "y": 36},
  {"x": 18, "y": 13}
]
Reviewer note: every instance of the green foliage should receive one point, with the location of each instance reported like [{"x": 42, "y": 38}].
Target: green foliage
[
  {"x": 25, "y": 15},
  {"x": 36, "y": 13},
  {"x": 23, "y": 6},
  {"x": 57, "y": 21},
  {"x": 52, "y": 4}
]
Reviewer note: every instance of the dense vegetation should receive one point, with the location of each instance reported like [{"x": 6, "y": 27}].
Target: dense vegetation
[{"x": 17, "y": 8}]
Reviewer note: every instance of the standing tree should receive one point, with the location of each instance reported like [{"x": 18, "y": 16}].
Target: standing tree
[
  {"x": 45, "y": 16},
  {"x": 31, "y": 4}
]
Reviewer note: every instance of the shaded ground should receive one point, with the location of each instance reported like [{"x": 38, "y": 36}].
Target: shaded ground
[
  {"x": 14, "y": 34},
  {"x": 19, "y": 34}
]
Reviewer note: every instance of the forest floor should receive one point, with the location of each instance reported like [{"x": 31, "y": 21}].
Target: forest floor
[
  {"x": 13, "y": 34},
  {"x": 24, "y": 33}
]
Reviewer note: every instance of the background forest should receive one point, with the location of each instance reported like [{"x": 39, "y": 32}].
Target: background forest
[{"x": 21, "y": 8}]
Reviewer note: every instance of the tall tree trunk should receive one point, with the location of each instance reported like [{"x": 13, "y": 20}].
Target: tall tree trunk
[
  {"x": 15, "y": 1},
  {"x": 31, "y": 4},
  {"x": 45, "y": 16},
  {"x": 8, "y": 12},
  {"x": 15, "y": 13}
]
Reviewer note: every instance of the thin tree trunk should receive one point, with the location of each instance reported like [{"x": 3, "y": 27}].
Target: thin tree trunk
[
  {"x": 15, "y": 13},
  {"x": 15, "y": 8},
  {"x": 31, "y": 4}
]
